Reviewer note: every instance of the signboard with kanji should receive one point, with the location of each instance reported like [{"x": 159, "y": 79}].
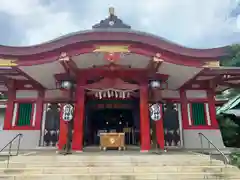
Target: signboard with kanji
[
  {"x": 155, "y": 112},
  {"x": 67, "y": 114}
]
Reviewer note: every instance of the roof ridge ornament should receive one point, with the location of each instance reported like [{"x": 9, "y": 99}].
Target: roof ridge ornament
[
  {"x": 111, "y": 22},
  {"x": 111, "y": 11}
]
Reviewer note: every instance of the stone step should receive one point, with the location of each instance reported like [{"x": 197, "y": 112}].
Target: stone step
[
  {"x": 107, "y": 164},
  {"x": 90, "y": 159},
  {"x": 105, "y": 159},
  {"x": 153, "y": 162},
  {"x": 113, "y": 160},
  {"x": 121, "y": 176},
  {"x": 115, "y": 167},
  {"x": 110, "y": 160},
  {"x": 103, "y": 164},
  {"x": 107, "y": 155},
  {"x": 94, "y": 170}
]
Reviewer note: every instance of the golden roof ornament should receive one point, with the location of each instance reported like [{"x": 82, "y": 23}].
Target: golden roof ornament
[{"x": 111, "y": 11}]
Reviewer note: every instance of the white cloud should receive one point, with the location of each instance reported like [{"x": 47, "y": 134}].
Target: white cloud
[
  {"x": 199, "y": 23},
  {"x": 238, "y": 22},
  {"x": 41, "y": 23}
]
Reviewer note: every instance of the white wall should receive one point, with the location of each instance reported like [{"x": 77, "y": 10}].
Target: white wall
[
  {"x": 26, "y": 94},
  {"x": 170, "y": 94},
  {"x": 30, "y": 139},
  {"x": 191, "y": 138},
  {"x": 196, "y": 94},
  {"x": 54, "y": 94}
]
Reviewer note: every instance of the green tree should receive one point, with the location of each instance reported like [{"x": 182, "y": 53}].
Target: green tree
[
  {"x": 233, "y": 58},
  {"x": 230, "y": 124}
]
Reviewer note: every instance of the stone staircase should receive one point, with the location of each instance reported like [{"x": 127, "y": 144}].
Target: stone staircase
[{"x": 111, "y": 166}]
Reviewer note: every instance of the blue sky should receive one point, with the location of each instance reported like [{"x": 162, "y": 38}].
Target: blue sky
[{"x": 192, "y": 23}]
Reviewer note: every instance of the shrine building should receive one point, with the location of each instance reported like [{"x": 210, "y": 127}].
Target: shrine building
[{"x": 112, "y": 74}]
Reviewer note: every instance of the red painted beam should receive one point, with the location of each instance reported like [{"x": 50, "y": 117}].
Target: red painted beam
[
  {"x": 24, "y": 85},
  {"x": 48, "y": 57},
  {"x": 3, "y": 78},
  {"x": 63, "y": 77},
  {"x": 11, "y": 72},
  {"x": 219, "y": 71},
  {"x": 230, "y": 85},
  {"x": 138, "y": 75},
  {"x": 235, "y": 78}
]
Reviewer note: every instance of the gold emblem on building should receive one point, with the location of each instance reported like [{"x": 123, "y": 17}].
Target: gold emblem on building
[
  {"x": 7, "y": 62},
  {"x": 211, "y": 64},
  {"x": 112, "y": 49}
]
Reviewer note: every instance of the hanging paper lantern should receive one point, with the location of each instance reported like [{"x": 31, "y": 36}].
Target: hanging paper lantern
[
  {"x": 100, "y": 95},
  {"x": 120, "y": 94},
  {"x": 108, "y": 94},
  {"x": 124, "y": 96},
  {"x": 104, "y": 94},
  {"x": 112, "y": 93}
]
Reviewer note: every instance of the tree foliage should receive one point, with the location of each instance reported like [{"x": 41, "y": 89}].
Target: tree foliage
[
  {"x": 230, "y": 129},
  {"x": 233, "y": 58},
  {"x": 230, "y": 124}
]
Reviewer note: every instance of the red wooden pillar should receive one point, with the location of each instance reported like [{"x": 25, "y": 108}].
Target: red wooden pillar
[
  {"x": 77, "y": 142},
  {"x": 144, "y": 119},
  {"x": 160, "y": 131},
  {"x": 62, "y": 131},
  {"x": 212, "y": 108},
  {"x": 184, "y": 108},
  {"x": 10, "y": 106},
  {"x": 39, "y": 113}
]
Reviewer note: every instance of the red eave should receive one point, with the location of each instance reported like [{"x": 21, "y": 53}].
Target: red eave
[
  {"x": 221, "y": 71},
  {"x": 220, "y": 102},
  {"x": 116, "y": 36}
]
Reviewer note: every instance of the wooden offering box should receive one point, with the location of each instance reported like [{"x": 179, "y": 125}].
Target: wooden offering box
[{"x": 112, "y": 140}]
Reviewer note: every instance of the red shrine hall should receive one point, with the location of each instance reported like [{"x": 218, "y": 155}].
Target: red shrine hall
[{"x": 110, "y": 77}]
